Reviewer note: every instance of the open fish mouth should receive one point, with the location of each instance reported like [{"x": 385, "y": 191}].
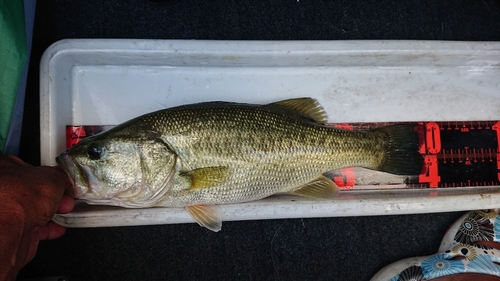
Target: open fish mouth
[{"x": 68, "y": 165}]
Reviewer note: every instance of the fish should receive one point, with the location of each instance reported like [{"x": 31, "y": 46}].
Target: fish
[{"x": 201, "y": 155}]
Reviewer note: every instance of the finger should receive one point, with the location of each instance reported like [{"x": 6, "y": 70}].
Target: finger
[
  {"x": 66, "y": 205},
  {"x": 51, "y": 231}
]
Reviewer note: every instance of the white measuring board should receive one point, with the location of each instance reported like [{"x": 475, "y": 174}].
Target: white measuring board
[{"x": 106, "y": 82}]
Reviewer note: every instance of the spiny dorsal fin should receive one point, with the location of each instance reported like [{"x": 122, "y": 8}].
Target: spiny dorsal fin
[
  {"x": 205, "y": 216},
  {"x": 207, "y": 177},
  {"x": 306, "y": 106},
  {"x": 321, "y": 187}
]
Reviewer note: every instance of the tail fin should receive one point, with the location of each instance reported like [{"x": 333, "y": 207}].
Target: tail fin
[{"x": 402, "y": 157}]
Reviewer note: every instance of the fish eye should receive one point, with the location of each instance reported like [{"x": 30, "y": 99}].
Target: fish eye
[{"x": 94, "y": 151}]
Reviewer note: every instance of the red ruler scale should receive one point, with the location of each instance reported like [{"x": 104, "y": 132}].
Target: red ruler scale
[
  {"x": 74, "y": 134},
  {"x": 456, "y": 154}
]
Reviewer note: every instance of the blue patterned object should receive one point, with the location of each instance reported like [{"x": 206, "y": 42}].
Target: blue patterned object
[
  {"x": 439, "y": 265},
  {"x": 484, "y": 264},
  {"x": 472, "y": 229},
  {"x": 460, "y": 252},
  {"x": 468, "y": 252},
  {"x": 496, "y": 228}
]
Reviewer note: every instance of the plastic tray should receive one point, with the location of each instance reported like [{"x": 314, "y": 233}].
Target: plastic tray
[{"x": 106, "y": 82}]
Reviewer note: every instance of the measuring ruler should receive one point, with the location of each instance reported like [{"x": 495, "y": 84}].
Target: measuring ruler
[{"x": 456, "y": 154}]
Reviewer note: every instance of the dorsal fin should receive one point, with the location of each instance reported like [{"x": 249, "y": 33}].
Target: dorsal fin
[{"x": 306, "y": 106}]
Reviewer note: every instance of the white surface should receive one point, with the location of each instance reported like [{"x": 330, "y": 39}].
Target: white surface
[
  {"x": 106, "y": 82},
  {"x": 351, "y": 203}
]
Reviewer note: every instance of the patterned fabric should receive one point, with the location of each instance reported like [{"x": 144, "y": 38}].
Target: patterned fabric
[
  {"x": 463, "y": 254},
  {"x": 412, "y": 273},
  {"x": 440, "y": 265},
  {"x": 474, "y": 228}
]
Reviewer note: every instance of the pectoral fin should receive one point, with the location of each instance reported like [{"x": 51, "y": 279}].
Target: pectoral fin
[
  {"x": 321, "y": 187},
  {"x": 207, "y": 177},
  {"x": 205, "y": 216}
]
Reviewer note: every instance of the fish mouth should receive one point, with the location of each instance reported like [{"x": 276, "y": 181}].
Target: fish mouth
[{"x": 66, "y": 162}]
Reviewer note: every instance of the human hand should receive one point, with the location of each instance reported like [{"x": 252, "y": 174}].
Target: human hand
[{"x": 29, "y": 197}]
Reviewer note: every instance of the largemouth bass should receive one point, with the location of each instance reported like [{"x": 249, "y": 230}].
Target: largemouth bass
[{"x": 199, "y": 155}]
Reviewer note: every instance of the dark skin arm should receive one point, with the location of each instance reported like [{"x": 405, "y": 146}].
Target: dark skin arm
[{"x": 29, "y": 197}]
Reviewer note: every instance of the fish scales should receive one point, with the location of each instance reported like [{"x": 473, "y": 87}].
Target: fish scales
[{"x": 267, "y": 150}]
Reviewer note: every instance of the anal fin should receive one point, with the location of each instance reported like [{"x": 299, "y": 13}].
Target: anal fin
[
  {"x": 205, "y": 216},
  {"x": 322, "y": 187}
]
